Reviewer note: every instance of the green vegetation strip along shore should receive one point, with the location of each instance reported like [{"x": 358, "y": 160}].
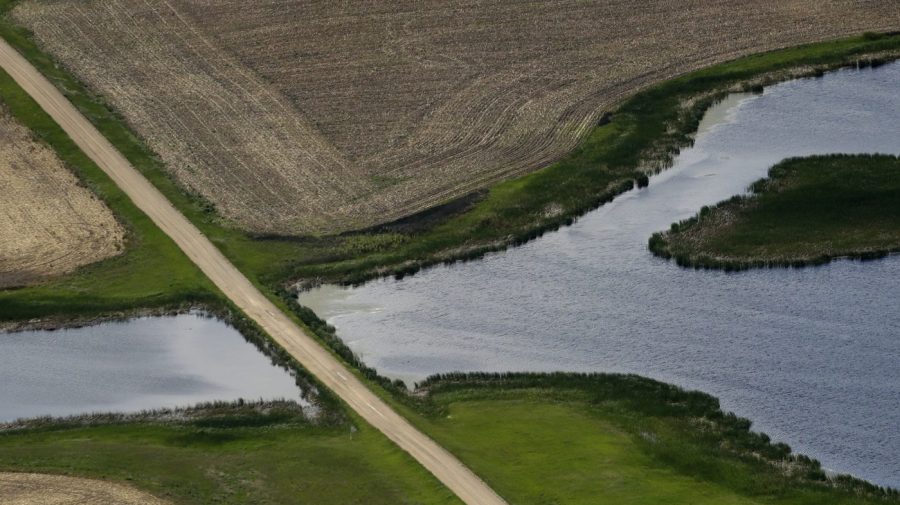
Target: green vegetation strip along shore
[
  {"x": 538, "y": 438},
  {"x": 807, "y": 212}
]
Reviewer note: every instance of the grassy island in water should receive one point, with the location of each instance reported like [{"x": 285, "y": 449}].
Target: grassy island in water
[{"x": 808, "y": 211}]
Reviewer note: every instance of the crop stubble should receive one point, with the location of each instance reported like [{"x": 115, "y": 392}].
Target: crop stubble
[
  {"x": 43, "y": 489},
  {"x": 298, "y": 117},
  {"x": 49, "y": 223}
]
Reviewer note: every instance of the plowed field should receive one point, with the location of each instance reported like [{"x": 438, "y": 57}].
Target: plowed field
[
  {"x": 40, "y": 489},
  {"x": 318, "y": 116},
  {"x": 49, "y": 224}
]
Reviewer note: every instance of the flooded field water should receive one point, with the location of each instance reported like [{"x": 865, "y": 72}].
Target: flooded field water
[{"x": 812, "y": 356}]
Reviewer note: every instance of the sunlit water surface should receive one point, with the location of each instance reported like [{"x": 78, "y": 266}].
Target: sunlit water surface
[
  {"x": 144, "y": 363},
  {"x": 812, "y": 356}
]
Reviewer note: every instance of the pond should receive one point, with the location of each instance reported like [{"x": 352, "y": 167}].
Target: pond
[
  {"x": 143, "y": 363},
  {"x": 811, "y": 355}
]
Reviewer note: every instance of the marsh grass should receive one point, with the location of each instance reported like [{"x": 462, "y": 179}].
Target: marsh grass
[
  {"x": 808, "y": 211},
  {"x": 204, "y": 415}
]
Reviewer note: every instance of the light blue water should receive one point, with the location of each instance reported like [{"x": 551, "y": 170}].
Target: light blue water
[
  {"x": 812, "y": 356},
  {"x": 129, "y": 366}
]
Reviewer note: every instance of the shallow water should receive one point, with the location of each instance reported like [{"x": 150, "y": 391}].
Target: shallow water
[
  {"x": 812, "y": 356},
  {"x": 143, "y": 363}
]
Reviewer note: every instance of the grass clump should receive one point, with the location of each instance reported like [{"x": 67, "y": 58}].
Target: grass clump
[{"x": 808, "y": 211}]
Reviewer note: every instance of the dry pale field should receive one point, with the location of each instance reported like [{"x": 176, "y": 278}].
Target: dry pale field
[
  {"x": 42, "y": 489},
  {"x": 49, "y": 224},
  {"x": 322, "y": 116}
]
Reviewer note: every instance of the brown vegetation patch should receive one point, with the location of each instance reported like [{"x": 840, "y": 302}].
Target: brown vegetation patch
[
  {"x": 49, "y": 223},
  {"x": 296, "y": 117},
  {"x": 43, "y": 489}
]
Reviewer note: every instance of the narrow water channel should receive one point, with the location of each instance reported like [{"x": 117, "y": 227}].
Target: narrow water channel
[
  {"x": 812, "y": 356},
  {"x": 129, "y": 366}
]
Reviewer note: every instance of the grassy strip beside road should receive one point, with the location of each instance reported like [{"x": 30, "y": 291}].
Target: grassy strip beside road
[
  {"x": 559, "y": 438},
  {"x": 807, "y": 212}
]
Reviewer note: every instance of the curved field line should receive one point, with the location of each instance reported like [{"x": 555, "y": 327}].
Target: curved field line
[{"x": 320, "y": 117}]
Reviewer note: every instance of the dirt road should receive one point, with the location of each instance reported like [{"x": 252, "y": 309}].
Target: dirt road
[{"x": 238, "y": 288}]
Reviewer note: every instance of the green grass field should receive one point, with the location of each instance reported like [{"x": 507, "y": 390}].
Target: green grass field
[
  {"x": 541, "y": 452},
  {"x": 571, "y": 439},
  {"x": 808, "y": 211}
]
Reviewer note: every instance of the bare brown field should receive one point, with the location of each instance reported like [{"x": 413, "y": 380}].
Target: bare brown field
[
  {"x": 308, "y": 117},
  {"x": 49, "y": 223},
  {"x": 42, "y": 489}
]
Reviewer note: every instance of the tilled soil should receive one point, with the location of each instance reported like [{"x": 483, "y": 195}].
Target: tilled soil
[
  {"x": 49, "y": 223},
  {"x": 322, "y": 116},
  {"x": 43, "y": 489}
]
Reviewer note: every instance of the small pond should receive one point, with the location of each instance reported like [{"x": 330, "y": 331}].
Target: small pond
[{"x": 128, "y": 366}]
